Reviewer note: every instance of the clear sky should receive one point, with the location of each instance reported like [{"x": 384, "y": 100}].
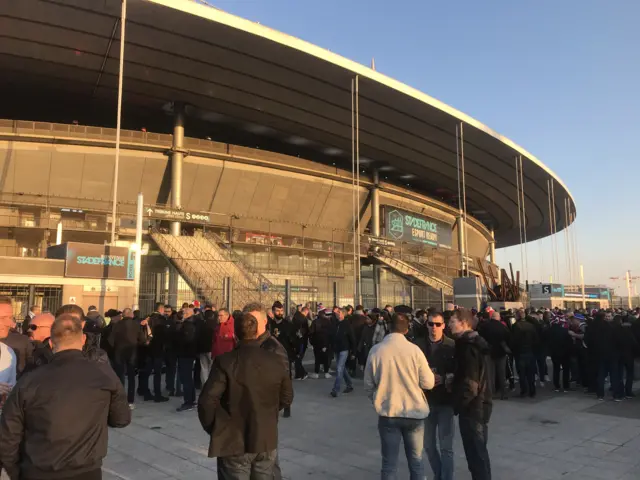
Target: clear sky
[{"x": 561, "y": 78}]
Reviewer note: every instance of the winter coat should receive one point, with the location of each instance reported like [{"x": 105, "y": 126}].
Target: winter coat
[
  {"x": 471, "y": 392},
  {"x": 224, "y": 339}
]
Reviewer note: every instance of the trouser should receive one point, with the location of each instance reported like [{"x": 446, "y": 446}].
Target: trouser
[
  {"x": 592, "y": 371},
  {"x": 341, "y": 371},
  {"x": 440, "y": 423},
  {"x": 607, "y": 367},
  {"x": 583, "y": 373},
  {"x": 124, "y": 362},
  {"x": 185, "y": 369},
  {"x": 475, "y": 435},
  {"x": 152, "y": 364},
  {"x": 564, "y": 362},
  {"x": 541, "y": 365},
  {"x": 626, "y": 370},
  {"x": 250, "y": 466},
  {"x": 92, "y": 475},
  {"x": 321, "y": 358},
  {"x": 411, "y": 432},
  {"x": 301, "y": 372},
  {"x": 197, "y": 369},
  {"x": 498, "y": 375},
  {"x": 205, "y": 366},
  {"x": 527, "y": 372},
  {"x": 511, "y": 372},
  {"x": 171, "y": 360}
]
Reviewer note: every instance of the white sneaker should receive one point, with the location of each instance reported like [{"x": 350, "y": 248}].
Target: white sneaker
[
  {"x": 132, "y": 406},
  {"x": 327, "y": 375},
  {"x": 314, "y": 375},
  {"x": 541, "y": 384}
]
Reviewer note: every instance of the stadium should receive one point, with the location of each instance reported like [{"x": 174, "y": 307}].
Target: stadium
[{"x": 264, "y": 161}]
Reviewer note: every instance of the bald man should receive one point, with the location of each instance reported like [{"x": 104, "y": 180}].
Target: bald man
[{"x": 40, "y": 334}]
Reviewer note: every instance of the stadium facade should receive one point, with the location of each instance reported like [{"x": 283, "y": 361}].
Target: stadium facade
[{"x": 244, "y": 143}]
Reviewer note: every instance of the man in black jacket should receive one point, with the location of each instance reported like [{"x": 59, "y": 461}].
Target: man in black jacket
[
  {"x": 599, "y": 339},
  {"x": 205, "y": 326},
  {"x": 524, "y": 343},
  {"x": 471, "y": 393},
  {"x": 344, "y": 347},
  {"x": 497, "y": 336},
  {"x": 91, "y": 348},
  {"x": 440, "y": 352},
  {"x": 40, "y": 335},
  {"x": 301, "y": 335},
  {"x": 186, "y": 350},
  {"x": 20, "y": 344},
  {"x": 560, "y": 347},
  {"x": 54, "y": 422},
  {"x": 239, "y": 407}
]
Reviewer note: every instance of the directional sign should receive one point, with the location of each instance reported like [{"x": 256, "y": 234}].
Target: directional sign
[{"x": 177, "y": 215}]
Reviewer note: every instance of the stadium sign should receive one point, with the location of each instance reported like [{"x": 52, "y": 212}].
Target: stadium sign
[
  {"x": 85, "y": 260},
  {"x": 177, "y": 215},
  {"x": 405, "y": 226}
]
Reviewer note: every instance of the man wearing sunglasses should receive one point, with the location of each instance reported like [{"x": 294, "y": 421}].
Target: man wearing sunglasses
[{"x": 438, "y": 426}]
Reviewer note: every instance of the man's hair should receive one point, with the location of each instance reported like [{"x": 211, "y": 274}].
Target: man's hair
[
  {"x": 600, "y": 316},
  {"x": 246, "y": 327},
  {"x": 436, "y": 314},
  {"x": 225, "y": 310},
  {"x": 166, "y": 305},
  {"x": 66, "y": 329},
  {"x": 92, "y": 308},
  {"x": 277, "y": 304},
  {"x": 359, "y": 307},
  {"x": 464, "y": 316},
  {"x": 6, "y": 301},
  {"x": 158, "y": 306},
  {"x": 75, "y": 310},
  {"x": 254, "y": 307},
  {"x": 127, "y": 312},
  {"x": 399, "y": 323}
]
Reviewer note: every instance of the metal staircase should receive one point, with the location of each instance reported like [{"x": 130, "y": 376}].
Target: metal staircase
[
  {"x": 203, "y": 265},
  {"x": 418, "y": 271}
]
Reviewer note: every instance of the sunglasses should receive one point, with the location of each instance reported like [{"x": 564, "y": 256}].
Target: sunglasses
[{"x": 435, "y": 324}]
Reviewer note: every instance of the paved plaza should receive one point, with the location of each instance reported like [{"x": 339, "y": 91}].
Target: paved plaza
[{"x": 557, "y": 436}]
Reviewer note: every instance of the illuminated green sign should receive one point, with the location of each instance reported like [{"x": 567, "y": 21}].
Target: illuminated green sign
[{"x": 405, "y": 226}]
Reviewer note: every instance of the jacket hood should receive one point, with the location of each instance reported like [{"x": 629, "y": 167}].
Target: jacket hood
[{"x": 473, "y": 338}]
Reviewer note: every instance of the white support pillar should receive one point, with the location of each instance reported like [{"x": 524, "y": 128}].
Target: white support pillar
[
  {"x": 59, "y": 233},
  {"x": 375, "y": 204},
  {"x": 138, "y": 252},
  {"x": 584, "y": 301},
  {"x": 177, "y": 157}
]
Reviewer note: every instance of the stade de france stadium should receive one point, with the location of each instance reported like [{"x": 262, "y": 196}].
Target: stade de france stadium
[{"x": 241, "y": 140}]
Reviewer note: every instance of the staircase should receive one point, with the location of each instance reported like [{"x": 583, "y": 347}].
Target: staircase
[
  {"x": 204, "y": 265},
  {"x": 418, "y": 271}
]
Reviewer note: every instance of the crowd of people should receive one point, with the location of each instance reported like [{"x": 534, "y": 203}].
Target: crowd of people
[{"x": 420, "y": 369}]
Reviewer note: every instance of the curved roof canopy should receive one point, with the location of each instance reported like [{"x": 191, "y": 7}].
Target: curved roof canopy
[{"x": 281, "y": 93}]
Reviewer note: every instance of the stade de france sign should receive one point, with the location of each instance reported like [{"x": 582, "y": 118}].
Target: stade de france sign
[{"x": 405, "y": 226}]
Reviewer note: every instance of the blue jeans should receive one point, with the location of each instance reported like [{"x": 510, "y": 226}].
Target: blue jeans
[
  {"x": 341, "y": 371},
  {"x": 411, "y": 431},
  {"x": 440, "y": 421}
]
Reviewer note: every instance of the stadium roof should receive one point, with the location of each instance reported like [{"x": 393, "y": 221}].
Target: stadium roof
[{"x": 238, "y": 74}]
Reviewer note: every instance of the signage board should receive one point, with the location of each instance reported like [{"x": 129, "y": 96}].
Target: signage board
[
  {"x": 546, "y": 290},
  {"x": 87, "y": 260},
  {"x": 165, "y": 213},
  {"x": 296, "y": 289},
  {"x": 404, "y": 226}
]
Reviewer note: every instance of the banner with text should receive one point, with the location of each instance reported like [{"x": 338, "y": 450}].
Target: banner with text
[{"x": 404, "y": 226}]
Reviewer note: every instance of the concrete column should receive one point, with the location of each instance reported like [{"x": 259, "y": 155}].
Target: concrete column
[
  {"x": 335, "y": 293},
  {"x": 375, "y": 205},
  {"x": 412, "y": 297},
  {"x": 177, "y": 157},
  {"x": 492, "y": 247},
  {"x": 32, "y": 296},
  {"x": 376, "y": 286},
  {"x": 173, "y": 275}
]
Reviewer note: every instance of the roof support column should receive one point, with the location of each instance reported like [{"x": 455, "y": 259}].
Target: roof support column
[
  {"x": 375, "y": 204},
  {"x": 177, "y": 157}
]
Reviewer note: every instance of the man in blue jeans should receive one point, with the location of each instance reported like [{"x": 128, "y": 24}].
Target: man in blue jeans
[
  {"x": 396, "y": 374},
  {"x": 344, "y": 346},
  {"x": 439, "y": 427}
]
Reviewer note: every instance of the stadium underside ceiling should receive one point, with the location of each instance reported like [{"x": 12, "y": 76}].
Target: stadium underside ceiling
[{"x": 249, "y": 85}]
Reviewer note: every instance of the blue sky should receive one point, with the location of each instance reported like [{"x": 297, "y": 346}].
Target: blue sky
[{"x": 559, "y": 77}]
